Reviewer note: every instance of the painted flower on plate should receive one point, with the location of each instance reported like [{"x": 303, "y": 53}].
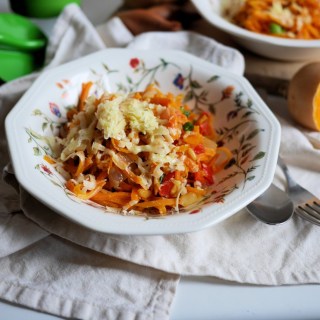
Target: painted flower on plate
[
  {"x": 179, "y": 81},
  {"x": 134, "y": 62},
  {"x": 55, "y": 109}
]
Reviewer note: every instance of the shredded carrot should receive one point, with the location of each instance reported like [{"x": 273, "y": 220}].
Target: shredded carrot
[
  {"x": 87, "y": 195},
  {"x": 48, "y": 159},
  {"x": 160, "y": 204},
  {"x": 84, "y": 95},
  {"x": 131, "y": 165},
  {"x": 298, "y": 19},
  {"x": 105, "y": 196}
]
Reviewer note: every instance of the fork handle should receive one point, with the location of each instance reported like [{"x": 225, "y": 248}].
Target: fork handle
[{"x": 291, "y": 183}]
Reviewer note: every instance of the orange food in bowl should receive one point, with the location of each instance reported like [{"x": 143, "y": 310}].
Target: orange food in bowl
[
  {"x": 297, "y": 19},
  {"x": 304, "y": 96}
]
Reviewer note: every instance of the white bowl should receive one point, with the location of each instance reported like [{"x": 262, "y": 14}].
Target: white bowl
[
  {"x": 267, "y": 46},
  {"x": 249, "y": 128}
]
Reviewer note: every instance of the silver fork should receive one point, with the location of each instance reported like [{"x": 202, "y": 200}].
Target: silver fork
[{"x": 307, "y": 206}]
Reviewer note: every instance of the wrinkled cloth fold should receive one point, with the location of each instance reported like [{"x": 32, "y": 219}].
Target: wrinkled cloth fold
[
  {"x": 54, "y": 265},
  {"x": 49, "y": 274}
]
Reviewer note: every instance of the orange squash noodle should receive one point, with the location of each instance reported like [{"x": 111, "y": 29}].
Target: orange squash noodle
[
  {"x": 138, "y": 152},
  {"x": 297, "y": 19}
]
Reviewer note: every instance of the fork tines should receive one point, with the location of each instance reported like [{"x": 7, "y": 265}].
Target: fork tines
[{"x": 310, "y": 211}]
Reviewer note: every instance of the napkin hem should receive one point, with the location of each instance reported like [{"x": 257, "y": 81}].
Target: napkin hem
[{"x": 50, "y": 302}]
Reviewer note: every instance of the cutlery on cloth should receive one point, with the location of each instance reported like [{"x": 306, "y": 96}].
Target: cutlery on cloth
[
  {"x": 306, "y": 205},
  {"x": 273, "y": 207}
]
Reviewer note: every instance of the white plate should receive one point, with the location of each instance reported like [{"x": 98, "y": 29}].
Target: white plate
[
  {"x": 267, "y": 46},
  {"x": 241, "y": 117}
]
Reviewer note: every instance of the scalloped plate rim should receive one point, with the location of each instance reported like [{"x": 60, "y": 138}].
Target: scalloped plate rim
[{"x": 137, "y": 225}]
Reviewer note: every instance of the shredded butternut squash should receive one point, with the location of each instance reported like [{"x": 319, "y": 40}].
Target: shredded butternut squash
[
  {"x": 145, "y": 151},
  {"x": 297, "y": 19}
]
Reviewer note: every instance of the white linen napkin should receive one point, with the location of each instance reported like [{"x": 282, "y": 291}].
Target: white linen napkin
[
  {"x": 41, "y": 271},
  {"x": 239, "y": 249}
]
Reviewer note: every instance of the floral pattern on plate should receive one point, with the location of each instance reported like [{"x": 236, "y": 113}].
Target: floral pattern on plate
[
  {"x": 243, "y": 124},
  {"x": 232, "y": 121}
]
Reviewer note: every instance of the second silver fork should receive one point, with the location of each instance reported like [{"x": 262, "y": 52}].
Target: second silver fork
[{"x": 307, "y": 206}]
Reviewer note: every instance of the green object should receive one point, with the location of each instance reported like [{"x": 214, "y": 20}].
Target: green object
[
  {"x": 17, "y": 32},
  {"x": 275, "y": 28},
  {"x": 15, "y": 64},
  {"x": 188, "y": 126},
  {"x": 22, "y": 46},
  {"x": 40, "y": 8},
  {"x": 185, "y": 112}
]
